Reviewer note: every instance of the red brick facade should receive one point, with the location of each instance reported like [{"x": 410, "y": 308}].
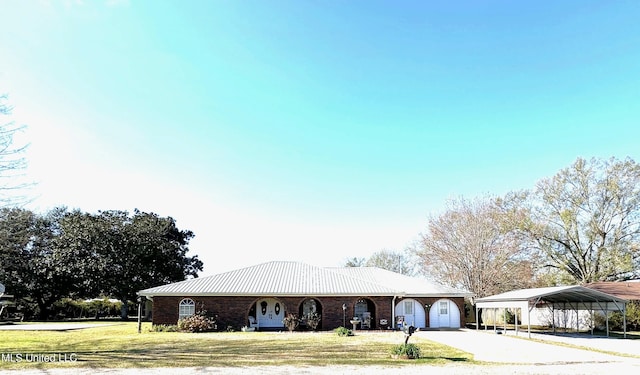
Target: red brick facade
[{"x": 234, "y": 311}]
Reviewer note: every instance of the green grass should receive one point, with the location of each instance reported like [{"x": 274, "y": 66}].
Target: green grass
[{"x": 119, "y": 346}]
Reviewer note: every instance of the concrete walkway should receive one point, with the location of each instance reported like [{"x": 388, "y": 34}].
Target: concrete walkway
[{"x": 491, "y": 347}]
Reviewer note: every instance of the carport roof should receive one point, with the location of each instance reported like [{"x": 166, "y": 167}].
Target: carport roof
[
  {"x": 575, "y": 293},
  {"x": 576, "y": 297}
]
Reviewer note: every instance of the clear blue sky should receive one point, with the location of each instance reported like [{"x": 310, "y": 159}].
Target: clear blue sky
[{"x": 313, "y": 130}]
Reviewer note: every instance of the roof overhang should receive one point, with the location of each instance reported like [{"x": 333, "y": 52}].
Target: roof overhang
[{"x": 280, "y": 294}]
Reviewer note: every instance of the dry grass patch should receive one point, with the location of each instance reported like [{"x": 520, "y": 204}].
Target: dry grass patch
[{"x": 120, "y": 346}]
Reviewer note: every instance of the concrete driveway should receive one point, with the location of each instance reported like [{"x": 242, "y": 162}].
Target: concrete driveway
[{"x": 491, "y": 347}]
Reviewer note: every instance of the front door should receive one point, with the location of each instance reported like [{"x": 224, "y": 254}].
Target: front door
[
  {"x": 443, "y": 314},
  {"x": 412, "y": 312},
  {"x": 270, "y": 313}
]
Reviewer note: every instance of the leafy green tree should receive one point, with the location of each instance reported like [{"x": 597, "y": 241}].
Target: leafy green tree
[
  {"x": 586, "y": 220},
  {"x": 81, "y": 255},
  {"x": 84, "y": 239},
  {"x": 30, "y": 264},
  {"x": 153, "y": 251},
  {"x": 119, "y": 254},
  {"x": 16, "y": 227}
]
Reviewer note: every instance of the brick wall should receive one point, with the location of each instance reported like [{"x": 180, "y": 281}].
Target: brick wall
[{"x": 234, "y": 311}]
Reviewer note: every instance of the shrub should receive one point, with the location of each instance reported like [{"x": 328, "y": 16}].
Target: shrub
[
  {"x": 342, "y": 331},
  {"x": 198, "y": 322},
  {"x": 67, "y": 308},
  {"x": 164, "y": 328},
  {"x": 616, "y": 320},
  {"x": 313, "y": 320},
  {"x": 408, "y": 350},
  {"x": 633, "y": 314},
  {"x": 291, "y": 322}
]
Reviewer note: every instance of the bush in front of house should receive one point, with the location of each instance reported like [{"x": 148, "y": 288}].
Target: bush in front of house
[
  {"x": 198, "y": 322},
  {"x": 291, "y": 321},
  {"x": 313, "y": 320},
  {"x": 342, "y": 331},
  {"x": 164, "y": 328},
  {"x": 406, "y": 350}
]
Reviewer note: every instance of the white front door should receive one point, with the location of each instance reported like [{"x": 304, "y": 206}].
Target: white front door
[
  {"x": 270, "y": 313},
  {"x": 444, "y": 314},
  {"x": 413, "y": 313}
]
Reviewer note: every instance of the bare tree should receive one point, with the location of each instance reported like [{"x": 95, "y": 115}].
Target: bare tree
[
  {"x": 473, "y": 246},
  {"x": 586, "y": 220},
  {"x": 400, "y": 262},
  {"x": 12, "y": 161}
]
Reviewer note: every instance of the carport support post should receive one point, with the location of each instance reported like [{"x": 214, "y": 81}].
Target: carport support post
[
  {"x": 504, "y": 314},
  {"x": 140, "y": 300},
  {"x": 624, "y": 319},
  {"x": 530, "y": 307},
  {"x": 477, "y": 321},
  {"x": 495, "y": 319},
  {"x": 516, "y": 316}
]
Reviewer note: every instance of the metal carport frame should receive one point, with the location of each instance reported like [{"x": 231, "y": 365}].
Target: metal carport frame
[{"x": 575, "y": 297}]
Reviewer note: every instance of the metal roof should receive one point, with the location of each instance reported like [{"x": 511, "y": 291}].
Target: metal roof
[
  {"x": 300, "y": 279},
  {"x": 554, "y": 294},
  {"x": 571, "y": 298},
  {"x": 413, "y": 286},
  {"x": 629, "y": 290}
]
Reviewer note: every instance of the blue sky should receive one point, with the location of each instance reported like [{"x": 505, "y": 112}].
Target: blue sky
[{"x": 312, "y": 130}]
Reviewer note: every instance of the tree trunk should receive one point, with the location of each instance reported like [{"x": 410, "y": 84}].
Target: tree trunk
[
  {"x": 44, "y": 313},
  {"x": 124, "y": 310}
]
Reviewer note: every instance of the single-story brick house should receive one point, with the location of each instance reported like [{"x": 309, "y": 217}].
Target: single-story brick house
[{"x": 261, "y": 295}]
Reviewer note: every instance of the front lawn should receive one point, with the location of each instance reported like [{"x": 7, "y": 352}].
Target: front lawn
[{"x": 120, "y": 345}]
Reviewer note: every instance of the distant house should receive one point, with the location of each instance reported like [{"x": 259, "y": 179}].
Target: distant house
[
  {"x": 261, "y": 295},
  {"x": 629, "y": 290}
]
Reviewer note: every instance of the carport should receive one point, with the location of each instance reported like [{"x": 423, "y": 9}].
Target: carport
[{"x": 573, "y": 298}]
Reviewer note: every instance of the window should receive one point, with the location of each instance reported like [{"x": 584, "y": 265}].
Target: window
[
  {"x": 361, "y": 308},
  {"x": 308, "y": 307},
  {"x": 444, "y": 308},
  {"x": 408, "y": 307},
  {"x": 186, "y": 308}
]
